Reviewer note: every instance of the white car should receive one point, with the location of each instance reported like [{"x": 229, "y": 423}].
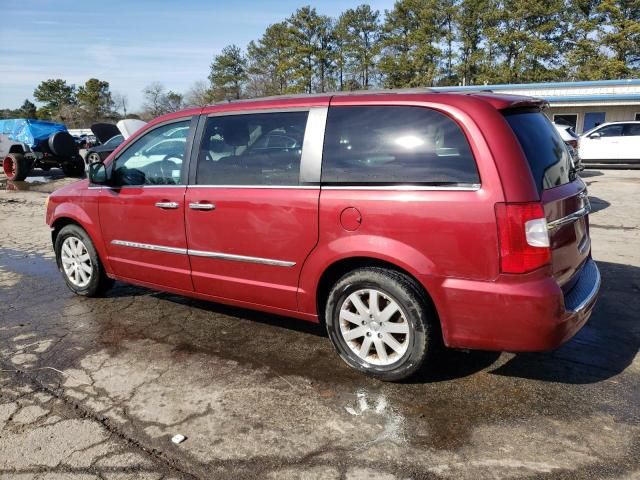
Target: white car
[{"x": 611, "y": 143}]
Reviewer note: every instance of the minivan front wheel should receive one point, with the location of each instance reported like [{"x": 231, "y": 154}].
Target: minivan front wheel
[
  {"x": 380, "y": 323},
  {"x": 79, "y": 263}
]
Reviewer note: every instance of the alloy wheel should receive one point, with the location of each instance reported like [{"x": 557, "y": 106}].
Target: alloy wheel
[
  {"x": 76, "y": 262},
  {"x": 374, "y": 327}
]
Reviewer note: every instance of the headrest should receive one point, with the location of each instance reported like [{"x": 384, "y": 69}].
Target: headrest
[{"x": 235, "y": 132}]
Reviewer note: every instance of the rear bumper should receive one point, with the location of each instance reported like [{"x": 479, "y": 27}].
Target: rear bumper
[{"x": 516, "y": 313}]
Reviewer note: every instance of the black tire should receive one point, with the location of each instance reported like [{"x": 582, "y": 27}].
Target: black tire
[
  {"x": 62, "y": 144},
  {"x": 74, "y": 167},
  {"x": 423, "y": 339},
  {"x": 16, "y": 167},
  {"x": 99, "y": 283}
]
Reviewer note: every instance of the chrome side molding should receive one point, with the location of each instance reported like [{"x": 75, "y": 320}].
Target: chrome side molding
[
  {"x": 148, "y": 246},
  {"x": 241, "y": 258},
  {"x": 202, "y": 253}
]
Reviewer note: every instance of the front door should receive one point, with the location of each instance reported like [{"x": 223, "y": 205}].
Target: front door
[
  {"x": 142, "y": 212},
  {"x": 250, "y": 220},
  {"x": 603, "y": 144}
]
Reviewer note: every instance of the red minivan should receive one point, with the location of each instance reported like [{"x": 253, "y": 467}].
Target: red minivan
[{"x": 401, "y": 220}]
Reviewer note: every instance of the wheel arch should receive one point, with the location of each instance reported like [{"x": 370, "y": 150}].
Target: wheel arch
[
  {"x": 340, "y": 267},
  {"x": 16, "y": 148},
  {"x": 65, "y": 219}
]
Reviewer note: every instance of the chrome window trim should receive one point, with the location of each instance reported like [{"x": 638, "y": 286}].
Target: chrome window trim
[
  {"x": 264, "y": 110},
  {"x": 289, "y": 187},
  {"x": 402, "y": 188},
  {"x": 106, "y": 187},
  {"x": 312, "y": 145},
  {"x": 202, "y": 253}
]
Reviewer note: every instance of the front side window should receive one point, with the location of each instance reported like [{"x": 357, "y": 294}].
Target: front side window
[
  {"x": 392, "y": 145},
  {"x": 611, "y": 131},
  {"x": 252, "y": 149},
  {"x": 156, "y": 158}
]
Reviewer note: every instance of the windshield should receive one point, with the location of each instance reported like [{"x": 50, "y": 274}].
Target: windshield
[
  {"x": 114, "y": 141},
  {"x": 546, "y": 153}
]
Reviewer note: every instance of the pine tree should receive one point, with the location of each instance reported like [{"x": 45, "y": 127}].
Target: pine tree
[
  {"x": 411, "y": 52},
  {"x": 360, "y": 30},
  {"x": 228, "y": 73}
]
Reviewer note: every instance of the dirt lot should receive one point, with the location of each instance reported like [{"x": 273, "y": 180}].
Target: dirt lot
[{"x": 95, "y": 388}]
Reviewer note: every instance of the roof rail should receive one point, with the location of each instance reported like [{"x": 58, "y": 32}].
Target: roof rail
[{"x": 378, "y": 91}]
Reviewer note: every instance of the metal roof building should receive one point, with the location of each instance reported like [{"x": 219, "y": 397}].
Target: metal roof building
[{"x": 583, "y": 105}]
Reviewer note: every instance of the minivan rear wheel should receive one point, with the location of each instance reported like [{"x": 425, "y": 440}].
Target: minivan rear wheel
[{"x": 380, "y": 323}]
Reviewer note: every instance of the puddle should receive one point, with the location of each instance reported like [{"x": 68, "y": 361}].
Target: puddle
[
  {"x": 44, "y": 182},
  {"x": 28, "y": 264}
]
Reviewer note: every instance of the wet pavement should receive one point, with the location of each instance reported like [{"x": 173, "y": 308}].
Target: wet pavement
[{"x": 96, "y": 388}]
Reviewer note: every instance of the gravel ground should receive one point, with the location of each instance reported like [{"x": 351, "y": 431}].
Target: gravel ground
[{"x": 95, "y": 388}]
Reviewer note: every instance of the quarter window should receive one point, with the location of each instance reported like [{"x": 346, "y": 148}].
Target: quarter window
[
  {"x": 395, "y": 145},
  {"x": 252, "y": 149},
  {"x": 156, "y": 158},
  {"x": 632, "y": 130}
]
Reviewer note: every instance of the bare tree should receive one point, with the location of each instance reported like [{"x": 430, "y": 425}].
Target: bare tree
[
  {"x": 198, "y": 95},
  {"x": 120, "y": 101},
  {"x": 154, "y": 95}
]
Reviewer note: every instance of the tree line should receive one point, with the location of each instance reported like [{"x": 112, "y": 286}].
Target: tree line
[
  {"x": 422, "y": 43},
  {"x": 418, "y": 43}
]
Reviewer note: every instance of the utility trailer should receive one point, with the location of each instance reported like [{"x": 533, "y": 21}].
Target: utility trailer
[{"x": 26, "y": 144}]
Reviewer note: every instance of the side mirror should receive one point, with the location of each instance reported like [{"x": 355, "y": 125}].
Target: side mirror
[
  {"x": 595, "y": 135},
  {"x": 98, "y": 173}
]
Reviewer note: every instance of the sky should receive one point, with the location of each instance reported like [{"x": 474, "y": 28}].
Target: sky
[{"x": 131, "y": 43}]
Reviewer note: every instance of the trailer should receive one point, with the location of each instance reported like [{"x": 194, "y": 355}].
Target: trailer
[{"x": 26, "y": 144}]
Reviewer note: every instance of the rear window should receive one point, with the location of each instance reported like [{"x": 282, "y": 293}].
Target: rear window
[
  {"x": 546, "y": 153},
  {"x": 389, "y": 145}
]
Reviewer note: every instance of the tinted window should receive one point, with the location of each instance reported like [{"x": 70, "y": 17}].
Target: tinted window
[
  {"x": 546, "y": 152},
  {"x": 114, "y": 141},
  {"x": 252, "y": 149},
  {"x": 611, "y": 131},
  {"x": 395, "y": 145},
  {"x": 632, "y": 130},
  {"x": 156, "y": 158}
]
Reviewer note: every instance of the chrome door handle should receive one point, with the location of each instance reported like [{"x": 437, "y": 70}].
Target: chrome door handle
[
  {"x": 167, "y": 205},
  {"x": 202, "y": 206}
]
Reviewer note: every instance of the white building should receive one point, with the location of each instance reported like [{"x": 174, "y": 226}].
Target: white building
[{"x": 582, "y": 105}]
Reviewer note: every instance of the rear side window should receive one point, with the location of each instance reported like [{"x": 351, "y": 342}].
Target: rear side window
[
  {"x": 546, "y": 153},
  {"x": 632, "y": 130},
  {"x": 252, "y": 149},
  {"x": 389, "y": 145}
]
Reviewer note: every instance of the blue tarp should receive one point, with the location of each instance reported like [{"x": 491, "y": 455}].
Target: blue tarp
[{"x": 30, "y": 132}]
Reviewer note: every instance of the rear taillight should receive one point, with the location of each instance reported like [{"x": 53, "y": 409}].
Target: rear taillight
[{"x": 523, "y": 237}]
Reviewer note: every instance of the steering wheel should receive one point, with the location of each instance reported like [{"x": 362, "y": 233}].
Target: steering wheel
[{"x": 168, "y": 164}]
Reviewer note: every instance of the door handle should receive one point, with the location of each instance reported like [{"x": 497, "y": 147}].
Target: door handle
[
  {"x": 202, "y": 206},
  {"x": 167, "y": 205}
]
